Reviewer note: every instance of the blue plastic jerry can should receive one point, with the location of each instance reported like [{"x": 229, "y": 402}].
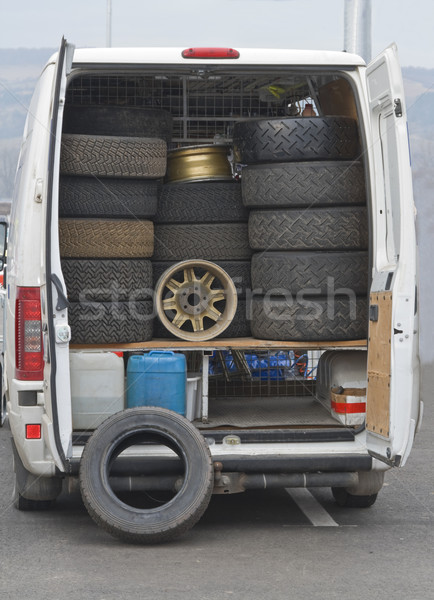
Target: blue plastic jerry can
[{"x": 157, "y": 378}]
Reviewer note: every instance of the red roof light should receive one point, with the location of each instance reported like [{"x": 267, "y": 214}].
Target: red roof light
[{"x": 210, "y": 53}]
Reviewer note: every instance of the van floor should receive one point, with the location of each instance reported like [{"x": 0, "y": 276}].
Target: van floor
[{"x": 277, "y": 411}]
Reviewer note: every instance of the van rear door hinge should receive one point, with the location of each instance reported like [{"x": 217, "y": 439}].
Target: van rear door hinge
[{"x": 398, "y": 107}]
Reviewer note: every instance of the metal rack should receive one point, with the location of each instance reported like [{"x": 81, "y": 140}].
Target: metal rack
[{"x": 204, "y": 105}]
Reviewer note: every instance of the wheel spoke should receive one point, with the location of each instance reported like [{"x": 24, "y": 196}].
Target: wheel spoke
[
  {"x": 207, "y": 279},
  {"x": 213, "y": 313},
  {"x": 216, "y": 295},
  {"x": 173, "y": 285},
  {"x": 189, "y": 275},
  {"x": 197, "y": 323},
  {"x": 179, "y": 320},
  {"x": 170, "y": 304}
]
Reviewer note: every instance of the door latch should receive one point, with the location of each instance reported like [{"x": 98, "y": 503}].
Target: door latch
[
  {"x": 373, "y": 312},
  {"x": 398, "y": 107}
]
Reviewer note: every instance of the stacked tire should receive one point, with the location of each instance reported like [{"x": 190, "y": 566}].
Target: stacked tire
[
  {"x": 205, "y": 220},
  {"x": 111, "y": 165},
  {"x": 308, "y": 226}
]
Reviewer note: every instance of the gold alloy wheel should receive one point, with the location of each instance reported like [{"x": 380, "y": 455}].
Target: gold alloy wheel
[
  {"x": 199, "y": 163},
  {"x": 186, "y": 295}
]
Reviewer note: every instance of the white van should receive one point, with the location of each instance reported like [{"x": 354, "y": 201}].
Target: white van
[{"x": 286, "y": 172}]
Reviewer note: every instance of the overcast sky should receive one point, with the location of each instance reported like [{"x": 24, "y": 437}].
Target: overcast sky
[{"x": 316, "y": 24}]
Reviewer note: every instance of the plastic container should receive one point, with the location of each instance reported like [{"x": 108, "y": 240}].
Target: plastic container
[
  {"x": 157, "y": 378},
  {"x": 193, "y": 408},
  {"x": 97, "y": 387}
]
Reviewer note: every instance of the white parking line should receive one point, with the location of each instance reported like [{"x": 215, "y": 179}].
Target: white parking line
[{"x": 313, "y": 510}]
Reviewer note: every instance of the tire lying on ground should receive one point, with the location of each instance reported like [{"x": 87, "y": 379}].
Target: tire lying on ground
[
  {"x": 334, "y": 228},
  {"x": 214, "y": 242},
  {"x": 303, "y": 184},
  {"x": 238, "y": 271},
  {"x": 295, "y": 139},
  {"x": 138, "y": 524},
  {"x": 121, "y": 198},
  {"x": 105, "y": 238},
  {"x": 208, "y": 202},
  {"x": 134, "y": 121},
  {"x": 107, "y": 280},
  {"x": 113, "y": 156},
  {"x": 320, "y": 271},
  {"x": 315, "y": 318},
  {"x": 110, "y": 322}
]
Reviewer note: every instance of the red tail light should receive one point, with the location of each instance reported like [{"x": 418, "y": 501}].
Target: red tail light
[
  {"x": 210, "y": 53},
  {"x": 29, "y": 361}
]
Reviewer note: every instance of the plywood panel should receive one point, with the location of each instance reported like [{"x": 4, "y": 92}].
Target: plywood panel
[
  {"x": 228, "y": 343},
  {"x": 379, "y": 364}
]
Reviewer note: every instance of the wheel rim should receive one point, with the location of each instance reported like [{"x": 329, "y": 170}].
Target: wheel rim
[
  {"x": 199, "y": 163},
  {"x": 186, "y": 298}
]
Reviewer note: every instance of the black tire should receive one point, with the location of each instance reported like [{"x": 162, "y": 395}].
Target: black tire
[
  {"x": 121, "y": 198},
  {"x": 135, "y": 121},
  {"x": 215, "y": 242},
  {"x": 32, "y": 492},
  {"x": 306, "y": 319},
  {"x": 238, "y": 271},
  {"x": 107, "y": 280},
  {"x": 111, "y": 156},
  {"x": 295, "y": 139},
  {"x": 23, "y": 504},
  {"x": 238, "y": 328},
  {"x": 3, "y": 411},
  {"x": 344, "y": 499},
  {"x": 335, "y": 228},
  {"x": 105, "y": 238},
  {"x": 146, "y": 525},
  {"x": 324, "y": 183},
  {"x": 322, "y": 271},
  {"x": 110, "y": 322},
  {"x": 240, "y": 325},
  {"x": 210, "y": 202},
  {"x": 363, "y": 494}
]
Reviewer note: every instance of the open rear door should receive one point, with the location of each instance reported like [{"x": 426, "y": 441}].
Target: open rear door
[
  {"x": 393, "y": 366},
  {"x": 58, "y": 424}
]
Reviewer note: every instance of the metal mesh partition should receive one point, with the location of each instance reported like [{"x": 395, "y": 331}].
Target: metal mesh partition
[
  {"x": 203, "y": 105},
  {"x": 263, "y": 373}
]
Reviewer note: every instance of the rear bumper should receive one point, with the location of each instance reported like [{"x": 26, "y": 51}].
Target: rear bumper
[{"x": 241, "y": 463}]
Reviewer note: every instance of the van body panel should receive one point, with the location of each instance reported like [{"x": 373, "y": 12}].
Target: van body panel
[
  {"x": 27, "y": 265},
  {"x": 395, "y": 258},
  {"x": 104, "y": 57}
]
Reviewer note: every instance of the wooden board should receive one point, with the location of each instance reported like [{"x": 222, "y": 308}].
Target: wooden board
[
  {"x": 379, "y": 363},
  {"x": 223, "y": 344}
]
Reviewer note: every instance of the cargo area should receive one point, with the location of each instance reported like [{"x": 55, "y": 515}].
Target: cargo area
[{"x": 163, "y": 166}]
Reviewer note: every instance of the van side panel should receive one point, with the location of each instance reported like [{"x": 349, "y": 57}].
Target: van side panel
[{"x": 26, "y": 268}]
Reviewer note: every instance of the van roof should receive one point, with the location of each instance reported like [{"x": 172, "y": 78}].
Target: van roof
[{"x": 248, "y": 56}]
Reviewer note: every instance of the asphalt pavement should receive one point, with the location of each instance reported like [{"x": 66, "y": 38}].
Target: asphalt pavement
[{"x": 255, "y": 545}]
